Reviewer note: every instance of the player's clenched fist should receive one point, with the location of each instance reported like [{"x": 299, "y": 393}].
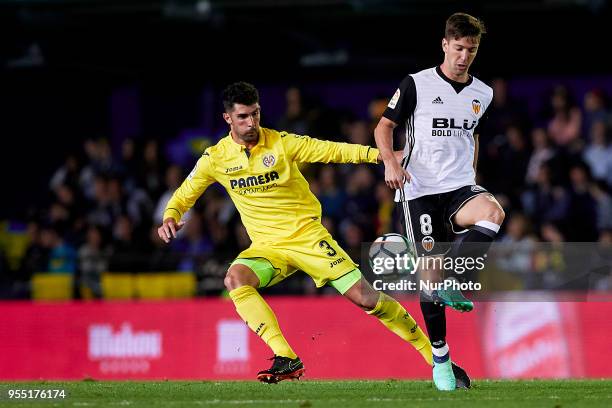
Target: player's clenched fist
[{"x": 168, "y": 229}]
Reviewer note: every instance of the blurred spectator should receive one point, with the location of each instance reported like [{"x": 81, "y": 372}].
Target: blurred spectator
[
  {"x": 62, "y": 255},
  {"x": 598, "y": 153},
  {"x": 129, "y": 254},
  {"x": 600, "y": 193},
  {"x": 519, "y": 229},
  {"x": 295, "y": 119},
  {"x": 582, "y": 213},
  {"x": 549, "y": 262},
  {"x": 513, "y": 162},
  {"x": 514, "y": 249},
  {"x": 194, "y": 245},
  {"x": 58, "y": 215},
  {"x": 361, "y": 205},
  {"x": 99, "y": 162},
  {"x": 116, "y": 200},
  {"x": 36, "y": 257},
  {"x": 505, "y": 111},
  {"x": 542, "y": 152},
  {"x": 550, "y": 232},
  {"x": 352, "y": 237},
  {"x": 174, "y": 178},
  {"x": 66, "y": 196},
  {"x": 544, "y": 202},
  {"x": 566, "y": 122},
  {"x": 330, "y": 194},
  {"x": 100, "y": 212},
  {"x": 358, "y": 132},
  {"x": 67, "y": 174},
  {"x": 94, "y": 257},
  {"x": 151, "y": 169},
  {"x": 595, "y": 110},
  {"x": 140, "y": 209},
  {"x": 128, "y": 166}
]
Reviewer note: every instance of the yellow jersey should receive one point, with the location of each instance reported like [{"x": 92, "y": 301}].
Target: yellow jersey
[{"x": 269, "y": 191}]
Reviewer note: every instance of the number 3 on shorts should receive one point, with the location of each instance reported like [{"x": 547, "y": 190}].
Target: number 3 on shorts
[{"x": 325, "y": 245}]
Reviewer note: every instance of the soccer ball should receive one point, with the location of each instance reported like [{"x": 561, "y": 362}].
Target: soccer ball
[{"x": 391, "y": 254}]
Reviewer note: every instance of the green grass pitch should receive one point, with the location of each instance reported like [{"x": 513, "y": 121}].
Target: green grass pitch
[{"x": 345, "y": 394}]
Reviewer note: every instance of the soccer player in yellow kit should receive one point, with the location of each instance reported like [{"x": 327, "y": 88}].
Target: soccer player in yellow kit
[{"x": 259, "y": 169}]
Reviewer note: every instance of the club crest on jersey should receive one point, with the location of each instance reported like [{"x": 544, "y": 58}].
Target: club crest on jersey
[
  {"x": 428, "y": 243},
  {"x": 476, "y": 106},
  {"x": 269, "y": 160}
]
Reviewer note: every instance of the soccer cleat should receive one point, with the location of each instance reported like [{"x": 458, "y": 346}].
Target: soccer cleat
[
  {"x": 283, "y": 368},
  {"x": 462, "y": 380},
  {"x": 443, "y": 376},
  {"x": 452, "y": 298}
]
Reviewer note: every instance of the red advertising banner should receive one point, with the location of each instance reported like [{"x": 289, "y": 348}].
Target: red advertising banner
[{"x": 205, "y": 339}]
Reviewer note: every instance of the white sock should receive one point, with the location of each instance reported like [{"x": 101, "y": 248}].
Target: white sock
[
  {"x": 441, "y": 351},
  {"x": 489, "y": 225}
]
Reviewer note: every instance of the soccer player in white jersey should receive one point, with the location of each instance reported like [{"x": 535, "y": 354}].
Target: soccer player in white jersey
[{"x": 441, "y": 109}]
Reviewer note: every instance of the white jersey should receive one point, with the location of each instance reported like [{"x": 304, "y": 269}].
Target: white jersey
[{"x": 440, "y": 117}]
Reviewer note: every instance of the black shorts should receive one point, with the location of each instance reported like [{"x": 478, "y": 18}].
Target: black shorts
[{"x": 429, "y": 219}]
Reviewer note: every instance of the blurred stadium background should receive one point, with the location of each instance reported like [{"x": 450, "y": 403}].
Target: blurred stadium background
[{"x": 106, "y": 106}]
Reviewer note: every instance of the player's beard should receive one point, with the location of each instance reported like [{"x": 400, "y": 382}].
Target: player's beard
[{"x": 250, "y": 136}]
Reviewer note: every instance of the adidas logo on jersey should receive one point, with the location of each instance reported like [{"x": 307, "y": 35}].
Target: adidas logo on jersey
[{"x": 437, "y": 100}]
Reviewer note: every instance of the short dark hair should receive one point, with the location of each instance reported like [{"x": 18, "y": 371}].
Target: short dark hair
[
  {"x": 239, "y": 92},
  {"x": 461, "y": 25}
]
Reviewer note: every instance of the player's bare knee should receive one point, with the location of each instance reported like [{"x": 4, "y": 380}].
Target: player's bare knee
[
  {"x": 495, "y": 215},
  {"x": 236, "y": 278},
  {"x": 230, "y": 281}
]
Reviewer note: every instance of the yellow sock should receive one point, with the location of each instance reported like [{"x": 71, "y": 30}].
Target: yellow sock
[
  {"x": 254, "y": 310},
  {"x": 393, "y": 315}
]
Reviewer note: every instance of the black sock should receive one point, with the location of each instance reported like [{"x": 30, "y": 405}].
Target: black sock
[
  {"x": 435, "y": 321},
  {"x": 474, "y": 244}
]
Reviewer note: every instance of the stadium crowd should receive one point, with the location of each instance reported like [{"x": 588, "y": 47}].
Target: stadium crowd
[{"x": 551, "y": 171}]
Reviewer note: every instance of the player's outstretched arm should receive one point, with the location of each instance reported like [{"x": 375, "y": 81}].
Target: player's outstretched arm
[
  {"x": 395, "y": 174},
  {"x": 307, "y": 149},
  {"x": 167, "y": 231}
]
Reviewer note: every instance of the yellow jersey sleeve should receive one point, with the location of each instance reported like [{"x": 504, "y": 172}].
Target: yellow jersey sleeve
[
  {"x": 309, "y": 150},
  {"x": 194, "y": 185}
]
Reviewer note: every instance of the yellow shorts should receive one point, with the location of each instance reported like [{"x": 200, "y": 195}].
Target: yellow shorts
[{"x": 313, "y": 251}]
